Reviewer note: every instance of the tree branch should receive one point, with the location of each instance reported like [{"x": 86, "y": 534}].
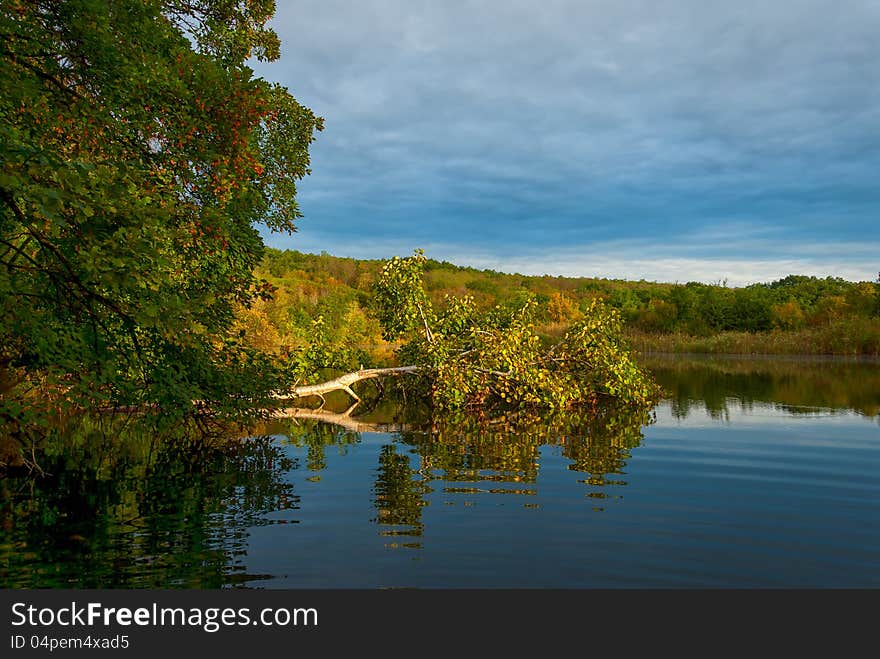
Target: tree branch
[
  {"x": 73, "y": 278},
  {"x": 429, "y": 336},
  {"x": 344, "y": 382}
]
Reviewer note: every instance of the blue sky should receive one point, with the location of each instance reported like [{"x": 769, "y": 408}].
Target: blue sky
[{"x": 687, "y": 140}]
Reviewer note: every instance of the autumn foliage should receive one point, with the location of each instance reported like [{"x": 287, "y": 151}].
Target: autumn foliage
[{"x": 137, "y": 154}]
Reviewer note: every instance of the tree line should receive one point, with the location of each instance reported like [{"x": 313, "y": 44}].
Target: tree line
[{"x": 338, "y": 292}]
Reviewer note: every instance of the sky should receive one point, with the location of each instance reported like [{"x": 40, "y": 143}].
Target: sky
[{"x": 685, "y": 140}]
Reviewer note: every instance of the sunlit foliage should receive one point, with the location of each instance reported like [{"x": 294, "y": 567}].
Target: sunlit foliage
[
  {"x": 496, "y": 358},
  {"x": 137, "y": 154}
]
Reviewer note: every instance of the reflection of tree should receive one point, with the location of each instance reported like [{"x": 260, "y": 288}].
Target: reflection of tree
[
  {"x": 501, "y": 450},
  {"x": 474, "y": 456},
  {"x": 315, "y": 437},
  {"x": 796, "y": 386},
  {"x": 467, "y": 449},
  {"x": 137, "y": 512},
  {"x": 399, "y": 494},
  {"x": 603, "y": 445}
]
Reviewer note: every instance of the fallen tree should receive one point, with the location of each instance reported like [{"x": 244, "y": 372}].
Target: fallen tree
[
  {"x": 465, "y": 358},
  {"x": 460, "y": 358},
  {"x": 344, "y": 382}
]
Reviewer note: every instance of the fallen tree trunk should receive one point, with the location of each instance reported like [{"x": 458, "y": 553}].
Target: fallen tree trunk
[{"x": 344, "y": 382}]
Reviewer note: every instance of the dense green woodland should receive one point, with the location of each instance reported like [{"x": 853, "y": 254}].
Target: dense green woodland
[
  {"x": 138, "y": 152},
  {"x": 797, "y": 314}
]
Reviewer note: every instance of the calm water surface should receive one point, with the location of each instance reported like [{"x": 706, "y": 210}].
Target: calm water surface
[{"x": 751, "y": 473}]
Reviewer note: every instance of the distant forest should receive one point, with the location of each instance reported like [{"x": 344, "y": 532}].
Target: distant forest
[{"x": 797, "y": 314}]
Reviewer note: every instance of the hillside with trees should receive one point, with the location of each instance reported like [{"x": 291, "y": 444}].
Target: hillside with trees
[{"x": 332, "y": 296}]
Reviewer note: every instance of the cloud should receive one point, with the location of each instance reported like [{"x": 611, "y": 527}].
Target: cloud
[{"x": 506, "y": 126}]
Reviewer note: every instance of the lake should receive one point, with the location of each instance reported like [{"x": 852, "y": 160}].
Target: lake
[{"x": 750, "y": 473}]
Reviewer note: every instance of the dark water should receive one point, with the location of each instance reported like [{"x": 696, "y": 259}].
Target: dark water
[{"x": 752, "y": 473}]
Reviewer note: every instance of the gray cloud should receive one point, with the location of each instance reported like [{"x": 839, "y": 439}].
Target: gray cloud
[{"x": 503, "y": 125}]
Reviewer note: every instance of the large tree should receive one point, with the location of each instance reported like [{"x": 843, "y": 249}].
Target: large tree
[{"x": 138, "y": 152}]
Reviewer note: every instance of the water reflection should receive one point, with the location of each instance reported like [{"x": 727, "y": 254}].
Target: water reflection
[
  {"x": 271, "y": 510},
  {"x": 796, "y": 385},
  {"x": 399, "y": 496},
  {"x": 470, "y": 456},
  {"x": 138, "y": 513}
]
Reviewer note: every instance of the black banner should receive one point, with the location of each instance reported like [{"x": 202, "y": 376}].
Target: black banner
[{"x": 138, "y": 623}]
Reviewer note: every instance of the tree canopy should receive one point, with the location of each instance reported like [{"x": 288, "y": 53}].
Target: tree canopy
[{"x": 138, "y": 152}]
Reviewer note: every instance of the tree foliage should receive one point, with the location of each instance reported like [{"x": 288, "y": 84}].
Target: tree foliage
[
  {"x": 645, "y": 307},
  {"x": 496, "y": 358},
  {"x": 137, "y": 153}
]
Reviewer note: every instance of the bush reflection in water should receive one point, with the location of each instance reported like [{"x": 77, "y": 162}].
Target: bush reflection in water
[{"x": 122, "y": 506}]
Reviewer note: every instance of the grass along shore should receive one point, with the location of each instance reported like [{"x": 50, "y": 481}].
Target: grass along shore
[{"x": 851, "y": 336}]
